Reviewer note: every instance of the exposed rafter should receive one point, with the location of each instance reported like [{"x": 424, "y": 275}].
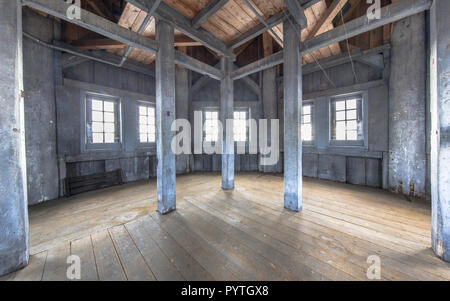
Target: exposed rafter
[
  {"x": 94, "y": 23},
  {"x": 183, "y": 24},
  {"x": 390, "y": 13},
  {"x": 327, "y": 18},
  {"x": 206, "y": 13},
  {"x": 109, "y": 29}
]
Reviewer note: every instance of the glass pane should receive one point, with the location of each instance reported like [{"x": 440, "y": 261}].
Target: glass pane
[
  {"x": 143, "y": 138},
  {"x": 152, "y": 138},
  {"x": 340, "y": 130},
  {"x": 97, "y": 138},
  {"x": 108, "y": 106},
  {"x": 151, "y": 129},
  {"x": 307, "y": 119},
  {"x": 340, "y": 115},
  {"x": 351, "y": 125},
  {"x": 215, "y": 115},
  {"x": 97, "y": 105},
  {"x": 97, "y": 127},
  {"x": 109, "y": 138},
  {"x": 352, "y": 135},
  {"x": 351, "y": 104},
  {"x": 243, "y": 115},
  {"x": 306, "y": 132},
  {"x": 143, "y": 129},
  {"x": 351, "y": 115},
  {"x": 151, "y": 112},
  {"x": 151, "y": 120},
  {"x": 143, "y": 119},
  {"x": 236, "y": 115},
  {"x": 306, "y": 110},
  {"x": 97, "y": 116},
  {"x": 208, "y": 115},
  {"x": 109, "y": 117},
  {"x": 142, "y": 110},
  {"x": 110, "y": 128},
  {"x": 340, "y": 105}
]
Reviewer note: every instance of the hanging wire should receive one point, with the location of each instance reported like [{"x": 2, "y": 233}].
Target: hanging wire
[
  {"x": 315, "y": 60},
  {"x": 348, "y": 48}
]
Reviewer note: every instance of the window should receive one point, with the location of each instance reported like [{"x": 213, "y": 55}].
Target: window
[
  {"x": 147, "y": 124},
  {"x": 240, "y": 126},
  {"x": 307, "y": 129},
  {"x": 211, "y": 125},
  {"x": 347, "y": 120},
  {"x": 102, "y": 120}
]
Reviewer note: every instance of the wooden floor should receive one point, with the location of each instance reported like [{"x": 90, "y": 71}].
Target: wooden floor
[{"x": 240, "y": 235}]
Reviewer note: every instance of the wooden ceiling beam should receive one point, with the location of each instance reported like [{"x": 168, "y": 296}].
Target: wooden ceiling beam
[
  {"x": 107, "y": 44},
  {"x": 206, "y": 13},
  {"x": 183, "y": 24},
  {"x": 95, "y": 23},
  {"x": 327, "y": 18}
]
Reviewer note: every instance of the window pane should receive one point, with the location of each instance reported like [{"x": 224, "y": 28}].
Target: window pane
[
  {"x": 142, "y": 110},
  {"x": 307, "y": 119},
  {"x": 306, "y": 132},
  {"x": 306, "y": 110},
  {"x": 109, "y": 138},
  {"x": 340, "y": 130},
  {"x": 351, "y": 125},
  {"x": 351, "y": 115},
  {"x": 215, "y": 115},
  {"x": 351, "y": 104},
  {"x": 109, "y": 117},
  {"x": 110, "y": 128},
  {"x": 97, "y": 138},
  {"x": 97, "y": 105},
  {"x": 340, "y": 115},
  {"x": 352, "y": 135},
  {"x": 144, "y": 138},
  {"x": 152, "y": 138},
  {"x": 143, "y": 120},
  {"x": 340, "y": 105},
  {"x": 151, "y": 112},
  {"x": 108, "y": 106},
  {"x": 236, "y": 115},
  {"x": 97, "y": 127},
  {"x": 97, "y": 116},
  {"x": 208, "y": 115}
]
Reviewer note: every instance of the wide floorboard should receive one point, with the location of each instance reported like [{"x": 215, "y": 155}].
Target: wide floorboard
[{"x": 244, "y": 234}]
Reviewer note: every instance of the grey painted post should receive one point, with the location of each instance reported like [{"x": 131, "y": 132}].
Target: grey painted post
[
  {"x": 440, "y": 128},
  {"x": 226, "y": 113},
  {"x": 13, "y": 190},
  {"x": 165, "y": 115},
  {"x": 292, "y": 117}
]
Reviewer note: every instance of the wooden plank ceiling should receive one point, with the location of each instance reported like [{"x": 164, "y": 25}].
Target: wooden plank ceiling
[{"x": 231, "y": 21}]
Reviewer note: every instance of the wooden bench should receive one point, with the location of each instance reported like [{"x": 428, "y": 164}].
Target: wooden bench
[{"x": 77, "y": 185}]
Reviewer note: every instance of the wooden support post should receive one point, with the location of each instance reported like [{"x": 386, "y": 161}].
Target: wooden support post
[
  {"x": 440, "y": 127},
  {"x": 269, "y": 95},
  {"x": 165, "y": 116},
  {"x": 292, "y": 117},
  {"x": 13, "y": 185},
  {"x": 227, "y": 113}
]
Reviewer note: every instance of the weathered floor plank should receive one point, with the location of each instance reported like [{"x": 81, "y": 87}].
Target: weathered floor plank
[{"x": 245, "y": 234}]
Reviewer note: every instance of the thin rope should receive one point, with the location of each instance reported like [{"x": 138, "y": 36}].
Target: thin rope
[
  {"x": 315, "y": 60},
  {"x": 348, "y": 48}
]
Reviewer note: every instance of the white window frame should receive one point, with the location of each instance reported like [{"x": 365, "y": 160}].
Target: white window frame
[
  {"x": 204, "y": 111},
  {"x": 138, "y": 115},
  {"x": 362, "y": 113},
  {"x": 88, "y": 146},
  {"x": 313, "y": 136},
  {"x": 247, "y": 112}
]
